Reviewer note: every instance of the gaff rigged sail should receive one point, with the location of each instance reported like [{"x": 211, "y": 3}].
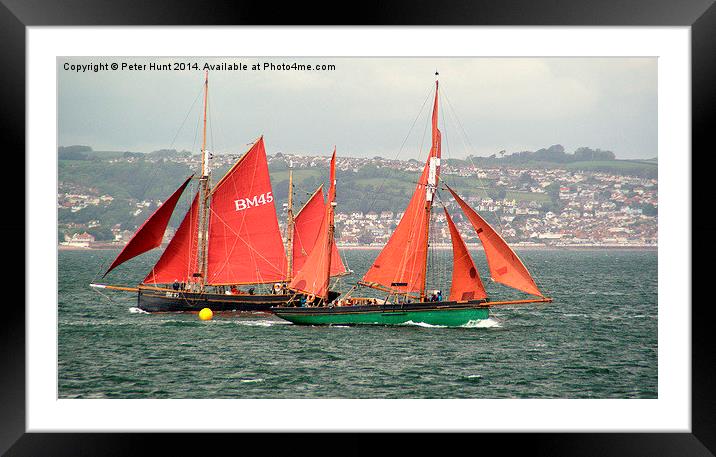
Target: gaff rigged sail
[
  {"x": 245, "y": 244},
  {"x": 313, "y": 278},
  {"x": 150, "y": 233},
  {"x": 466, "y": 283},
  {"x": 402, "y": 263},
  {"x": 179, "y": 260},
  {"x": 505, "y": 266},
  {"x": 307, "y": 226}
]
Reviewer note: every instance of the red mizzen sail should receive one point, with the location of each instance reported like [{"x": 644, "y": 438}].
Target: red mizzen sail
[
  {"x": 466, "y": 283},
  {"x": 313, "y": 277},
  {"x": 245, "y": 245},
  {"x": 307, "y": 226},
  {"x": 150, "y": 233},
  {"x": 179, "y": 260},
  {"x": 402, "y": 263},
  {"x": 505, "y": 266}
]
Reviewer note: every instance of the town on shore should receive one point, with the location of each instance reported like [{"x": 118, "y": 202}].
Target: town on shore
[{"x": 572, "y": 206}]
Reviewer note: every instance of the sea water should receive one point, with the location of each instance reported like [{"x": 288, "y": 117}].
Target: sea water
[{"x": 597, "y": 340}]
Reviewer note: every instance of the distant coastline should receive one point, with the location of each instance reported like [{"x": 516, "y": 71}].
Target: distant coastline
[{"x": 516, "y": 246}]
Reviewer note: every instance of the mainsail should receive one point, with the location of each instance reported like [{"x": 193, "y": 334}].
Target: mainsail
[
  {"x": 150, "y": 233},
  {"x": 505, "y": 266},
  {"x": 466, "y": 283},
  {"x": 402, "y": 263},
  {"x": 245, "y": 243},
  {"x": 307, "y": 226},
  {"x": 313, "y": 278},
  {"x": 179, "y": 260}
]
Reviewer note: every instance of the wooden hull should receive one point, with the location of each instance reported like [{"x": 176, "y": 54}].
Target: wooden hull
[
  {"x": 166, "y": 300},
  {"x": 447, "y": 314}
]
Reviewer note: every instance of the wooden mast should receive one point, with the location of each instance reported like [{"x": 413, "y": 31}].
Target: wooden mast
[
  {"x": 430, "y": 189},
  {"x": 331, "y": 225},
  {"x": 289, "y": 227},
  {"x": 204, "y": 198},
  {"x": 329, "y": 246},
  {"x": 423, "y": 290}
]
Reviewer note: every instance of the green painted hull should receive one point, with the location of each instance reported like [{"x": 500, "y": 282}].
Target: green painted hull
[{"x": 447, "y": 317}]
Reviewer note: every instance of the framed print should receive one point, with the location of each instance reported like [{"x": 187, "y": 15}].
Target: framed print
[{"x": 410, "y": 223}]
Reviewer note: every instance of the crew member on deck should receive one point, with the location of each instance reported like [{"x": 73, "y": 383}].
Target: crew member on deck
[
  {"x": 234, "y": 290},
  {"x": 175, "y": 286}
]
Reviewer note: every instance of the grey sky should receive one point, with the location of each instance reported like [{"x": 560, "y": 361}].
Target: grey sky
[{"x": 367, "y": 105}]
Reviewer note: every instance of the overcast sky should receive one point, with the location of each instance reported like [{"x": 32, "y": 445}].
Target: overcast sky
[{"x": 366, "y": 106}]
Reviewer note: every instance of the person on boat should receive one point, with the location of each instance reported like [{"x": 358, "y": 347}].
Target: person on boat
[
  {"x": 251, "y": 291},
  {"x": 175, "y": 286},
  {"x": 439, "y": 296},
  {"x": 303, "y": 301},
  {"x": 283, "y": 289},
  {"x": 234, "y": 290}
]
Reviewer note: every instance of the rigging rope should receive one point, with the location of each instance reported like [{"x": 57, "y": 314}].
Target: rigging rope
[
  {"x": 400, "y": 150},
  {"x": 155, "y": 170},
  {"x": 466, "y": 142},
  {"x": 151, "y": 179}
]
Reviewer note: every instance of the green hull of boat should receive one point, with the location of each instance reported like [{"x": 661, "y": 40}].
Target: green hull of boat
[{"x": 444, "y": 317}]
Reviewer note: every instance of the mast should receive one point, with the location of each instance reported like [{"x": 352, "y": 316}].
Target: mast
[
  {"x": 314, "y": 276},
  {"x": 203, "y": 197},
  {"x": 331, "y": 223},
  {"x": 289, "y": 227},
  {"x": 402, "y": 263},
  {"x": 430, "y": 188},
  {"x": 329, "y": 245}
]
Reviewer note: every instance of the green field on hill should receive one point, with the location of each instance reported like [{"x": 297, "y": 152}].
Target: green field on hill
[{"x": 638, "y": 167}]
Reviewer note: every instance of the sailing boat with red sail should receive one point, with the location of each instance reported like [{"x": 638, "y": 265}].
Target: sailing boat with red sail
[
  {"x": 314, "y": 276},
  {"x": 400, "y": 270},
  {"x": 227, "y": 246},
  {"x": 306, "y": 228}
]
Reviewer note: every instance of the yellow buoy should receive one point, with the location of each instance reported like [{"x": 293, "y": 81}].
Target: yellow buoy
[{"x": 206, "y": 314}]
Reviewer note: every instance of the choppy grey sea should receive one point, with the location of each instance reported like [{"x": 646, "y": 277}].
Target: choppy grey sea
[{"x": 597, "y": 340}]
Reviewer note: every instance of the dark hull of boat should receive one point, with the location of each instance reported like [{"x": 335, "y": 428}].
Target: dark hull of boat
[{"x": 159, "y": 300}]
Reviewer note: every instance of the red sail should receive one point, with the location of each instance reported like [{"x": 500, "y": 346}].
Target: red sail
[
  {"x": 505, "y": 266},
  {"x": 466, "y": 283},
  {"x": 401, "y": 264},
  {"x": 307, "y": 226},
  {"x": 314, "y": 277},
  {"x": 179, "y": 260},
  {"x": 150, "y": 233},
  {"x": 245, "y": 245}
]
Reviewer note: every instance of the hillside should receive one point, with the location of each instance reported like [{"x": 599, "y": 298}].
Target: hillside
[{"x": 132, "y": 184}]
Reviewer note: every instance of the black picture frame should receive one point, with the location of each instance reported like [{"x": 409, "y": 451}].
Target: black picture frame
[{"x": 700, "y": 15}]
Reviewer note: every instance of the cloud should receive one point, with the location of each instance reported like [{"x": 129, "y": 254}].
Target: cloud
[{"x": 367, "y": 105}]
